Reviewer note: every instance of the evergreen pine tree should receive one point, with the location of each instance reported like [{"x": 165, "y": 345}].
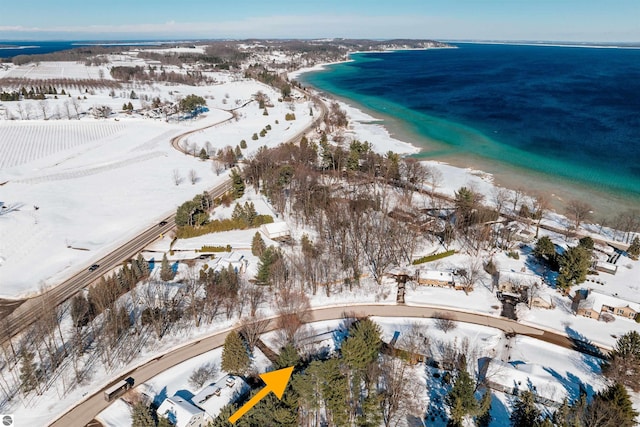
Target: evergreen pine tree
[
  {"x": 288, "y": 357},
  {"x": 237, "y": 183},
  {"x": 268, "y": 257},
  {"x": 79, "y": 311},
  {"x": 250, "y": 213},
  {"x": 243, "y": 144},
  {"x": 634, "y": 248},
  {"x": 620, "y": 412},
  {"x": 525, "y": 413},
  {"x": 164, "y": 422},
  {"x": 335, "y": 392},
  {"x": 166, "y": 273},
  {"x": 363, "y": 345},
  {"x": 141, "y": 416},
  {"x": 461, "y": 399},
  {"x": 484, "y": 412},
  {"x": 143, "y": 265},
  {"x": 203, "y": 154},
  {"x": 130, "y": 106},
  {"x": 238, "y": 213},
  {"x": 28, "y": 378},
  {"x": 136, "y": 270},
  {"x": 544, "y": 248},
  {"x": 623, "y": 364},
  {"x": 574, "y": 265},
  {"x": 370, "y": 414},
  {"x": 257, "y": 245},
  {"x": 235, "y": 358}
]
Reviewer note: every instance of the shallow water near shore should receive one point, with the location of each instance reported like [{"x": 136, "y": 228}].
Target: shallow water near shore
[{"x": 590, "y": 155}]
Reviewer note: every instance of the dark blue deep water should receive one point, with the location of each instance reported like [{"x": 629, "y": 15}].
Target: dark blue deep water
[
  {"x": 568, "y": 112},
  {"x": 9, "y": 49}
]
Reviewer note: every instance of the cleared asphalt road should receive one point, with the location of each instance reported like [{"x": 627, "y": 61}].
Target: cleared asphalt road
[{"x": 88, "y": 409}]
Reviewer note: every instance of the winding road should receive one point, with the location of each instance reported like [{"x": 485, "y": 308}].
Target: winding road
[{"x": 88, "y": 409}]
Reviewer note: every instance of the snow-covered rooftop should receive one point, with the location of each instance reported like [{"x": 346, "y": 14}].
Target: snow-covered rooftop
[
  {"x": 519, "y": 278},
  {"x": 276, "y": 230},
  {"x": 215, "y": 396},
  {"x": 443, "y": 276},
  {"x": 595, "y": 300},
  {"x": 179, "y": 411}
]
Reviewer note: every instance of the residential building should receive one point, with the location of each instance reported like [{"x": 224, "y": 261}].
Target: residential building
[
  {"x": 515, "y": 282},
  {"x": 442, "y": 279},
  {"x": 182, "y": 413},
  {"x": 593, "y": 304},
  {"x": 216, "y": 396}
]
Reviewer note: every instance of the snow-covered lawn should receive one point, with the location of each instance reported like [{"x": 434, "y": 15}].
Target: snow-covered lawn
[
  {"x": 57, "y": 70},
  {"x": 76, "y": 189}
]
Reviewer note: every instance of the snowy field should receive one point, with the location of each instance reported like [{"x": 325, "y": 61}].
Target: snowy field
[
  {"x": 76, "y": 189},
  {"x": 57, "y": 70}
]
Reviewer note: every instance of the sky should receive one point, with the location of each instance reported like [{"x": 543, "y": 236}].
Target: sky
[{"x": 549, "y": 20}]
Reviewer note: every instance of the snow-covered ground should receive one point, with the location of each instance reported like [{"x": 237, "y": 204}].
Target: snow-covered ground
[
  {"x": 567, "y": 367},
  {"x": 76, "y": 189},
  {"x": 97, "y": 182}
]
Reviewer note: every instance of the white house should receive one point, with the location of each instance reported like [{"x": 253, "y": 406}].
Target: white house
[
  {"x": 276, "y": 230},
  {"x": 216, "y": 396},
  {"x": 182, "y": 413}
]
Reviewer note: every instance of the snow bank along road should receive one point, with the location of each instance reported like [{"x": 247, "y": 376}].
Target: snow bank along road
[
  {"x": 85, "y": 411},
  {"x": 16, "y": 316}
]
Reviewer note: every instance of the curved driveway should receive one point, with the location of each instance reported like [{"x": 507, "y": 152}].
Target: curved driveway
[{"x": 88, "y": 409}]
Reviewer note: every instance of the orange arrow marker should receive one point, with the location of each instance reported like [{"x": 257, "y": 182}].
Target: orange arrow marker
[{"x": 275, "y": 381}]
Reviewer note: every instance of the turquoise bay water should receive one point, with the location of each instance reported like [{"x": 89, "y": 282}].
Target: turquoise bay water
[{"x": 570, "y": 116}]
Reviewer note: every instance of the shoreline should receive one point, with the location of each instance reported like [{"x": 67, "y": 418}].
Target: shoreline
[{"x": 606, "y": 204}]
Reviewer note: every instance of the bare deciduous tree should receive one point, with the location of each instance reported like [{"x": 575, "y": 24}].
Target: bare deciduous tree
[
  {"x": 177, "y": 179},
  {"x": 76, "y": 107},
  {"x": 399, "y": 391},
  {"x": 193, "y": 176},
  {"x": 500, "y": 198},
  {"x": 469, "y": 274},
  {"x": 202, "y": 374},
  {"x": 579, "y": 211},
  {"x": 445, "y": 322},
  {"x": 251, "y": 330},
  {"x": 516, "y": 195},
  {"x": 217, "y": 166},
  {"x": 44, "y": 107},
  {"x": 21, "y": 110},
  {"x": 293, "y": 309}
]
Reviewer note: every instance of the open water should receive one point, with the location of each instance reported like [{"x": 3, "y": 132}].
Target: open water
[{"x": 569, "y": 114}]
